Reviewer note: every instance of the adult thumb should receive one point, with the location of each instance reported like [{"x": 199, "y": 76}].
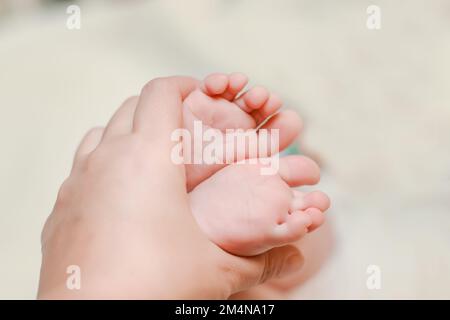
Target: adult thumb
[
  {"x": 158, "y": 111},
  {"x": 275, "y": 263}
]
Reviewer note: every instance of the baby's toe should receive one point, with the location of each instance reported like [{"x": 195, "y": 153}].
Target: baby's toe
[
  {"x": 298, "y": 170},
  {"x": 270, "y": 107},
  {"x": 288, "y": 125}
]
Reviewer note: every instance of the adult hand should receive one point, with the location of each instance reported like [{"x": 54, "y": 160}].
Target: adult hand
[{"x": 123, "y": 216}]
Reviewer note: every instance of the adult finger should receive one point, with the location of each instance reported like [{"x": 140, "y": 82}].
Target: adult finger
[
  {"x": 251, "y": 271},
  {"x": 159, "y": 109}
]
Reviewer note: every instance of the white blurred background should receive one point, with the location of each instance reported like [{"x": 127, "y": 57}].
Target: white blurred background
[{"x": 376, "y": 105}]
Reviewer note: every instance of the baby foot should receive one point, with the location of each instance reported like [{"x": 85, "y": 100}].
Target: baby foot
[
  {"x": 217, "y": 105},
  {"x": 246, "y": 213}
]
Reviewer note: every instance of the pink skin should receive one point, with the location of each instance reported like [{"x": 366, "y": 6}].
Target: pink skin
[
  {"x": 282, "y": 215},
  {"x": 316, "y": 248},
  {"x": 246, "y": 213},
  {"x": 218, "y": 105},
  {"x": 242, "y": 211},
  {"x": 123, "y": 216}
]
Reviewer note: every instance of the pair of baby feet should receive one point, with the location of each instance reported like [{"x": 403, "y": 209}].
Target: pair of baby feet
[{"x": 241, "y": 210}]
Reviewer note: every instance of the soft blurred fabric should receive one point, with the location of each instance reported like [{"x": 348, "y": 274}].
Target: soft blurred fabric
[{"x": 376, "y": 105}]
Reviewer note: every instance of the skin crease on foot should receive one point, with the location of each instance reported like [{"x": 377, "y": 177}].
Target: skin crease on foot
[{"x": 242, "y": 211}]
